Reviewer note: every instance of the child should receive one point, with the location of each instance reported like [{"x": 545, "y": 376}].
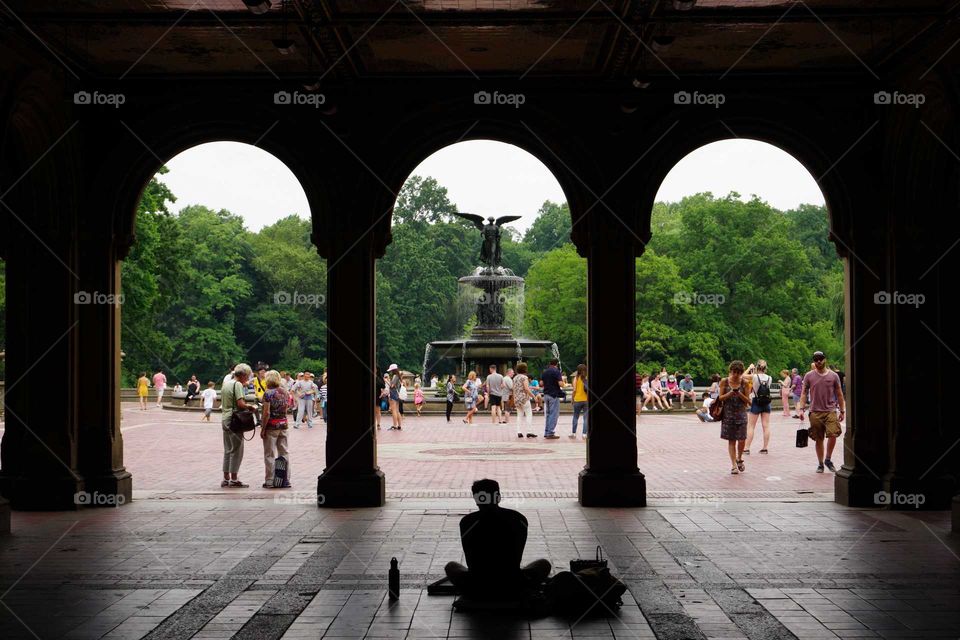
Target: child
[
  {"x": 417, "y": 398},
  {"x": 209, "y": 395}
]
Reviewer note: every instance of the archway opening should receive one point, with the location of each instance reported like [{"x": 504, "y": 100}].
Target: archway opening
[
  {"x": 447, "y": 307},
  {"x": 222, "y": 272},
  {"x": 739, "y": 268}
]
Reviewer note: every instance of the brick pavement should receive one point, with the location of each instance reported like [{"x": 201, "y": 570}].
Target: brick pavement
[
  {"x": 679, "y": 455},
  {"x": 195, "y": 567}
]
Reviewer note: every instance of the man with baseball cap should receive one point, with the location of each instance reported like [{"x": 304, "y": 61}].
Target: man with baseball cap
[{"x": 826, "y": 397}]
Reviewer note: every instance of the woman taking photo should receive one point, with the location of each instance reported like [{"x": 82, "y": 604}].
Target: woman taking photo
[
  {"x": 394, "y": 390},
  {"x": 523, "y": 400},
  {"x": 785, "y": 381},
  {"x": 451, "y": 394},
  {"x": 733, "y": 424},
  {"x": 470, "y": 390}
]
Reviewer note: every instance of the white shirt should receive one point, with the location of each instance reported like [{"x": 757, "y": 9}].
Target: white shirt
[
  {"x": 707, "y": 402},
  {"x": 758, "y": 379},
  {"x": 209, "y": 395}
]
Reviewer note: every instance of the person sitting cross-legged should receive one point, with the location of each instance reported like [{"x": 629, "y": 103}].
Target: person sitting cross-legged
[{"x": 493, "y": 539}]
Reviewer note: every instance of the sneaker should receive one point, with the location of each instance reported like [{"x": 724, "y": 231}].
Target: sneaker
[
  {"x": 532, "y": 435},
  {"x": 829, "y": 465},
  {"x": 572, "y": 436},
  {"x": 820, "y": 468},
  {"x": 519, "y": 435},
  {"x": 552, "y": 436}
]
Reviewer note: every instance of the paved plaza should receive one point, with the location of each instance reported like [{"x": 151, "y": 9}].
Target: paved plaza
[
  {"x": 762, "y": 555},
  {"x": 172, "y": 453}
]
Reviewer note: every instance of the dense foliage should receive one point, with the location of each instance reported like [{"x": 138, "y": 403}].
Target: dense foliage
[{"x": 721, "y": 279}]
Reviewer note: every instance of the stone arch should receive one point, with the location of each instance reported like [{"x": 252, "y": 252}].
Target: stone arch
[
  {"x": 832, "y": 180},
  {"x": 564, "y": 157},
  {"x": 137, "y": 160}
]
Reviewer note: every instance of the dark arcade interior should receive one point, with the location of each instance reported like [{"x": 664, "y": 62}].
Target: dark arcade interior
[{"x": 609, "y": 95}]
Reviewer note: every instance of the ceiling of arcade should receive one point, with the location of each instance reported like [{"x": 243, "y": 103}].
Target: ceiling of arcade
[{"x": 346, "y": 39}]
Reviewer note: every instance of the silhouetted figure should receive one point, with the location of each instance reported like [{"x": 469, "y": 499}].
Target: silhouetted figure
[{"x": 493, "y": 539}]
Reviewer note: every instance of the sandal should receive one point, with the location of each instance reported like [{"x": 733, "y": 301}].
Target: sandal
[
  {"x": 225, "y": 483},
  {"x": 734, "y": 471},
  {"x": 519, "y": 435},
  {"x": 746, "y": 452},
  {"x": 236, "y": 484},
  {"x": 740, "y": 466},
  {"x": 763, "y": 451}
]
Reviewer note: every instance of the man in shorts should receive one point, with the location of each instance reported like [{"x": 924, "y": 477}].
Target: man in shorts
[
  {"x": 495, "y": 391},
  {"x": 826, "y": 398}
]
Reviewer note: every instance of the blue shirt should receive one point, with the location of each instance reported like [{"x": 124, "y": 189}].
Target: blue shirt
[{"x": 551, "y": 382}]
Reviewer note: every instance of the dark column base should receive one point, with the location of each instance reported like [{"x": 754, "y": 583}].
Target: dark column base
[
  {"x": 612, "y": 489},
  {"x": 341, "y": 490},
  {"x": 42, "y": 493},
  {"x": 855, "y": 488},
  {"x": 112, "y": 490},
  {"x": 4, "y": 516}
]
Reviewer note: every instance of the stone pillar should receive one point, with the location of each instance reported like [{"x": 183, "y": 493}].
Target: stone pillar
[
  {"x": 611, "y": 477},
  {"x": 98, "y": 308},
  {"x": 351, "y": 477},
  {"x": 38, "y": 455},
  {"x": 867, "y": 426}
]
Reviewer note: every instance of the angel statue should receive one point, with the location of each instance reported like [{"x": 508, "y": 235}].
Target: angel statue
[{"x": 490, "y": 249}]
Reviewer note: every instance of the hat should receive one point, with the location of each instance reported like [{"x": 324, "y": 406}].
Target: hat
[
  {"x": 392, "y": 367},
  {"x": 818, "y": 355},
  {"x": 686, "y": 377},
  {"x": 672, "y": 378}
]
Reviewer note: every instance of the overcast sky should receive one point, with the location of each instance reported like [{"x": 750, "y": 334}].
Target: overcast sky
[{"x": 489, "y": 178}]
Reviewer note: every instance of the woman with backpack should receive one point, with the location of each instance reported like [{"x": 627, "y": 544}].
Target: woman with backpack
[{"x": 760, "y": 401}]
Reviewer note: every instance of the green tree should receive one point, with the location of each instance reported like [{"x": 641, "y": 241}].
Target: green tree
[
  {"x": 423, "y": 200},
  {"x": 556, "y": 302},
  {"x": 550, "y": 229}
]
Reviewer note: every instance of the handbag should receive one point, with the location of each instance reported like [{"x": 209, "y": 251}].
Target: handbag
[
  {"x": 242, "y": 420},
  {"x": 803, "y": 435},
  {"x": 716, "y": 410},
  {"x": 600, "y": 562},
  {"x": 402, "y": 392}
]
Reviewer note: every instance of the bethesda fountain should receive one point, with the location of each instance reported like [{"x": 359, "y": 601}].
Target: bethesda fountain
[{"x": 492, "y": 294}]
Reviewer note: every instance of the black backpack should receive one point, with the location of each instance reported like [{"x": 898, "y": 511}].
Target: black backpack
[{"x": 763, "y": 392}]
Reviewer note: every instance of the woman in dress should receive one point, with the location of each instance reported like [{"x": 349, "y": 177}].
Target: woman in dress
[
  {"x": 143, "y": 388},
  {"x": 733, "y": 425},
  {"x": 470, "y": 390}
]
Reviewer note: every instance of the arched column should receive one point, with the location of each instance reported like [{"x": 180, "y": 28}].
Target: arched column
[{"x": 611, "y": 477}]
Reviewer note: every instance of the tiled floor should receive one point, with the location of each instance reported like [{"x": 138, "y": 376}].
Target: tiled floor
[{"x": 186, "y": 567}]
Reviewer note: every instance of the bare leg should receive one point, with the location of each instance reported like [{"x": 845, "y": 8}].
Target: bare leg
[
  {"x": 765, "y": 420},
  {"x": 732, "y": 451},
  {"x": 819, "y": 448},
  {"x": 751, "y": 427},
  {"x": 831, "y": 443}
]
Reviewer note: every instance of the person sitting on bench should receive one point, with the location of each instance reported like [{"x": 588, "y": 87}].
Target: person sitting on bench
[{"x": 493, "y": 539}]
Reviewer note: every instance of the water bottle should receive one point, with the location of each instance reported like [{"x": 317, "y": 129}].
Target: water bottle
[{"x": 393, "y": 580}]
